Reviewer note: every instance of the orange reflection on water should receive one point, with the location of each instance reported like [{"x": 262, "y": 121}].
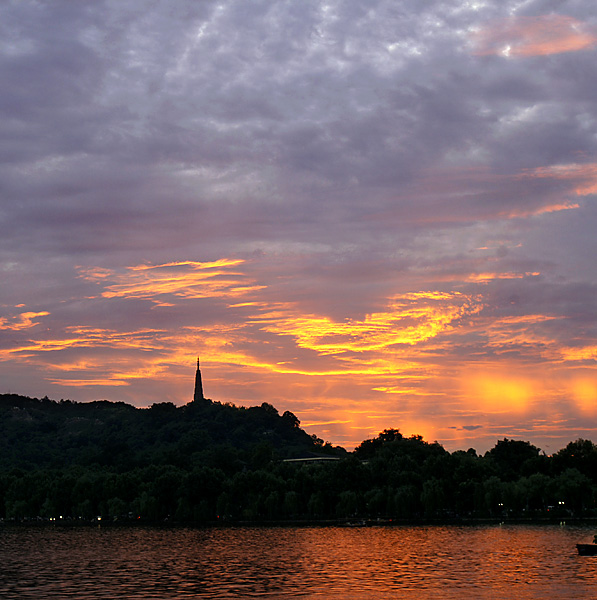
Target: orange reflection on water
[{"x": 407, "y": 562}]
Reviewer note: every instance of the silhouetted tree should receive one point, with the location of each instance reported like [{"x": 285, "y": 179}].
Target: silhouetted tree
[{"x": 509, "y": 457}]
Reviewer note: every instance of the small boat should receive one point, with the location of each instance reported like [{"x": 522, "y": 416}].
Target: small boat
[{"x": 587, "y": 549}]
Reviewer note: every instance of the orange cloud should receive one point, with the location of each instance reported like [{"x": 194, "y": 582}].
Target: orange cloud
[
  {"x": 216, "y": 264},
  {"x": 23, "y": 321},
  {"x": 119, "y": 372},
  {"x": 409, "y": 319},
  {"x": 521, "y": 333},
  {"x": 187, "y": 279},
  {"x": 406, "y": 391},
  {"x": 83, "y": 337},
  {"x": 577, "y": 354},
  {"x": 469, "y": 184},
  {"x": 486, "y": 277},
  {"x": 347, "y": 379},
  {"x": 534, "y": 36},
  {"x": 583, "y": 176},
  {"x": 532, "y": 212},
  {"x": 88, "y": 382}
]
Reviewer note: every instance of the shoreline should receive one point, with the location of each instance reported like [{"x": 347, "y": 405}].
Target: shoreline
[{"x": 299, "y": 523}]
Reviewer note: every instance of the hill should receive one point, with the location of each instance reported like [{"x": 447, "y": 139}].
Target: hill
[
  {"x": 43, "y": 433},
  {"x": 208, "y": 462}
]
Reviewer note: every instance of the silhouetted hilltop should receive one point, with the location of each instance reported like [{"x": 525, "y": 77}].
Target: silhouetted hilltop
[
  {"x": 208, "y": 462},
  {"x": 46, "y": 433}
]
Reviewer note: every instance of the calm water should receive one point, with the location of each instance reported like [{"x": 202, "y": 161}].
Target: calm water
[{"x": 489, "y": 562}]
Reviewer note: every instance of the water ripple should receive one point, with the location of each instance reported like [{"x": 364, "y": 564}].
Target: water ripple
[{"x": 353, "y": 563}]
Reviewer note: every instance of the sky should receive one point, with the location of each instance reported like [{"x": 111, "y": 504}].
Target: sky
[{"x": 372, "y": 213}]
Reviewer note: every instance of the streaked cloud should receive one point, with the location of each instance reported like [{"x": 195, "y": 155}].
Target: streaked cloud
[
  {"x": 540, "y": 35},
  {"x": 374, "y": 216},
  {"x": 408, "y": 319},
  {"x": 184, "y": 279},
  {"x": 583, "y": 177},
  {"x": 22, "y": 321}
]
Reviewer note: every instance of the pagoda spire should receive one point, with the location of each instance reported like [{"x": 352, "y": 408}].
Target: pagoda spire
[{"x": 198, "y": 384}]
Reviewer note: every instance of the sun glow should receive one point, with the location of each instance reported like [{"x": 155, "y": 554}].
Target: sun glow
[
  {"x": 584, "y": 393},
  {"x": 498, "y": 392},
  {"x": 350, "y": 378}
]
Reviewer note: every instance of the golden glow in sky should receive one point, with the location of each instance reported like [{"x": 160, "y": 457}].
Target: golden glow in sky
[
  {"x": 346, "y": 378},
  {"x": 371, "y": 216}
]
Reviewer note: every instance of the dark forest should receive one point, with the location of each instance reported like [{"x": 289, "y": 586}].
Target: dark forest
[{"x": 208, "y": 462}]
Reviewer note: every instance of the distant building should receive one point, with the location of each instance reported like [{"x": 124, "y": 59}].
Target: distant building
[
  {"x": 311, "y": 459},
  {"x": 198, "y": 395}
]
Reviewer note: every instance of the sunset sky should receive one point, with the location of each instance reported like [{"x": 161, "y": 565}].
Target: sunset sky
[{"x": 372, "y": 213}]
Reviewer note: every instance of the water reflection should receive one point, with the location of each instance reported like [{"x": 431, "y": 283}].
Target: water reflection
[{"x": 353, "y": 563}]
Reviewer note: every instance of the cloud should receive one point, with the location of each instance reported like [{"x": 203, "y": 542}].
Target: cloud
[
  {"x": 345, "y": 208},
  {"x": 582, "y": 176},
  {"x": 21, "y": 321},
  {"x": 188, "y": 279},
  {"x": 407, "y": 320},
  {"x": 535, "y": 36},
  {"x": 468, "y": 427}
]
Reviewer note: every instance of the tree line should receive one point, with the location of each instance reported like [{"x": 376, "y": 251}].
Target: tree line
[{"x": 208, "y": 462}]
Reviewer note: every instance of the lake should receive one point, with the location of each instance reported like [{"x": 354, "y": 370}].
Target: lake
[{"x": 481, "y": 562}]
